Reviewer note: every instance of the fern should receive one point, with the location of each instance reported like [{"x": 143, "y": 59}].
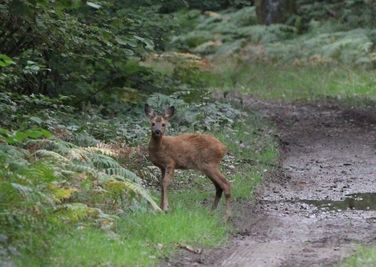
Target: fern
[
  {"x": 95, "y": 161},
  {"x": 103, "y": 150},
  {"x": 25, "y": 191},
  {"x": 123, "y": 173},
  {"x": 136, "y": 189},
  {"x": 42, "y": 153},
  {"x": 79, "y": 167},
  {"x": 31, "y": 196},
  {"x": 103, "y": 161}
]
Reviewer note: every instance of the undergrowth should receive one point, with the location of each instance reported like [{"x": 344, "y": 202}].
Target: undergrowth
[
  {"x": 229, "y": 32},
  {"x": 74, "y": 196},
  {"x": 143, "y": 239}
]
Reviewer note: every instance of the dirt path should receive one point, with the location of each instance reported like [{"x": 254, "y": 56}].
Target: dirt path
[{"x": 305, "y": 214}]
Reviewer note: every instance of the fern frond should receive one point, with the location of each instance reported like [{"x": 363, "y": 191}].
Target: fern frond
[
  {"x": 103, "y": 150},
  {"x": 78, "y": 153},
  {"x": 124, "y": 173},
  {"x": 139, "y": 190},
  {"x": 78, "y": 167},
  {"x": 39, "y": 172},
  {"x": 103, "y": 161},
  {"x": 142, "y": 192},
  {"x": 58, "y": 146},
  {"x": 48, "y": 153},
  {"x": 24, "y": 190},
  {"x": 97, "y": 162}
]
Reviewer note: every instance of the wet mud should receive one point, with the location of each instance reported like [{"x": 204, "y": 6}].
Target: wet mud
[{"x": 319, "y": 204}]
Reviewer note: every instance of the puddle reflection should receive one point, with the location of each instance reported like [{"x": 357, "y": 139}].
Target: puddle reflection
[{"x": 359, "y": 201}]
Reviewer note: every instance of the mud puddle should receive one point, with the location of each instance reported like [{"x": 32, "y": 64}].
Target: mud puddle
[
  {"x": 360, "y": 201},
  {"x": 321, "y": 203},
  {"x": 356, "y": 201}
]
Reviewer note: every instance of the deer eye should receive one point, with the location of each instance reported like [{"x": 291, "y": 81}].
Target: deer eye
[
  {"x": 153, "y": 124},
  {"x": 163, "y": 125}
]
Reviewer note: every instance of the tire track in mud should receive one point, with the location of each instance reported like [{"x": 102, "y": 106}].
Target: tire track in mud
[{"x": 305, "y": 213}]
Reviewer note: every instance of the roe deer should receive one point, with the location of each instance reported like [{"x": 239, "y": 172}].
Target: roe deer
[{"x": 200, "y": 152}]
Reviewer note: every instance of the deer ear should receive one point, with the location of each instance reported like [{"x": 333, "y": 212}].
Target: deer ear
[
  {"x": 149, "y": 111},
  {"x": 169, "y": 112}
]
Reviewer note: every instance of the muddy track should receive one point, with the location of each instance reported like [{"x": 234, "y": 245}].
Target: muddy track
[{"x": 320, "y": 203}]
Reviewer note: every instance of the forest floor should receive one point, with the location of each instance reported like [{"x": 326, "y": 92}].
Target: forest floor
[{"x": 319, "y": 205}]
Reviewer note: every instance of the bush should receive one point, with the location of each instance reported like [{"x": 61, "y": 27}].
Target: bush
[{"x": 73, "y": 49}]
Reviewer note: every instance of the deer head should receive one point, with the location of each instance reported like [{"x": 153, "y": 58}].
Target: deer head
[{"x": 159, "y": 122}]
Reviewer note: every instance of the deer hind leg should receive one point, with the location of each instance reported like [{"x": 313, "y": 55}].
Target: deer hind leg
[
  {"x": 167, "y": 174},
  {"x": 218, "y": 194},
  {"x": 221, "y": 185}
]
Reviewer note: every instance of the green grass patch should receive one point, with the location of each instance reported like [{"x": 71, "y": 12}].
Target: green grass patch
[
  {"x": 288, "y": 82},
  {"x": 256, "y": 151},
  {"x": 141, "y": 239},
  {"x": 364, "y": 257}
]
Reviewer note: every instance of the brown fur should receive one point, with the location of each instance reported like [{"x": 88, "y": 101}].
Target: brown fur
[
  {"x": 200, "y": 152},
  {"x": 186, "y": 151}
]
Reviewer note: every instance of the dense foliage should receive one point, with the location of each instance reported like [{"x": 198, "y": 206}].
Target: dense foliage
[
  {"x": 313, "y": 35},
  {"x": 62, "y": 47}
]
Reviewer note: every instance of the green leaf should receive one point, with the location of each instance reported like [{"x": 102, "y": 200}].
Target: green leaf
[
  {"x": 4, "y": 132},
  {"x": 5, "y": 61},
  {"x": 20, "y": 136},
  {"x": 36, "y": 119},
  {"x": 120, "y": 40},
  {"x": 148, "y": 43},
  {"x": 93, "y": 5}
]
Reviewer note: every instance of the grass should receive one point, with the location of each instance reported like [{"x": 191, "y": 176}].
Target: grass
[
  {"x": 289, "y": 82},
  {"x": 254, "y": 146},
  {"x": 140, "y": 239},
  {"x": 144, "y": 239},
  {"x": 364, "y": 257}
]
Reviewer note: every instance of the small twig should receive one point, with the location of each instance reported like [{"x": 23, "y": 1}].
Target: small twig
[{"x": 190, "y": 249}]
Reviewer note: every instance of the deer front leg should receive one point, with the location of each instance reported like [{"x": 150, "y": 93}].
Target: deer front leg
[
  {"x": 168, "y": 174},
  {"x": 163, "y": 173}
]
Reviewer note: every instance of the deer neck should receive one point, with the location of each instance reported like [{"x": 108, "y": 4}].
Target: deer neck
[{"x": 155, "y": 142}]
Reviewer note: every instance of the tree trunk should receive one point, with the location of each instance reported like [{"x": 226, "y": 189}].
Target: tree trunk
[{"x": 274, "y": 11}]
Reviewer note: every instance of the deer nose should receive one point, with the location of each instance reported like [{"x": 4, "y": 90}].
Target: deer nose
[{"x": 158, "y": 132}]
